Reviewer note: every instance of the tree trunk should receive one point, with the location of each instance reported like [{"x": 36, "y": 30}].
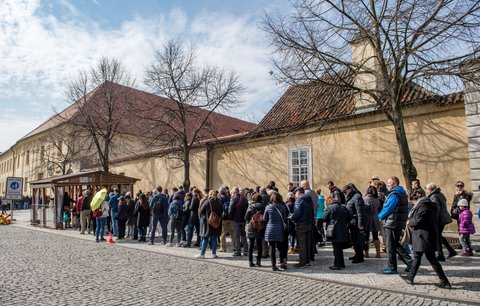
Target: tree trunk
[
  {"x": 408, "y": 169},
  {"x": 186, "y": 169}
]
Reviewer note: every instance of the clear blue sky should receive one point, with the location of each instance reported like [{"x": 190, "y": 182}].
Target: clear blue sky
[{"x": 43, "y": 44}]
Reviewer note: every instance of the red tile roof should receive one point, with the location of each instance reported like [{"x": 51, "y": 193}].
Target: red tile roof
[
  {"x": 316, "y": 103},
  {"x": 132, "y": 108}
]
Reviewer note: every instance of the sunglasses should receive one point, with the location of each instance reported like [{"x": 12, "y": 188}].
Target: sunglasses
[{"x": 459, "y": 186}]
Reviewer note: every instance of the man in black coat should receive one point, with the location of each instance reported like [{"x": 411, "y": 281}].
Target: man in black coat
[
  {"x": 424, "y": 225},
  {"x": 443, "y": 217},
  {"x": 356, "y": 207},
  {"x": 236, "y": 212},
  {"x": 335, "y": 192}
]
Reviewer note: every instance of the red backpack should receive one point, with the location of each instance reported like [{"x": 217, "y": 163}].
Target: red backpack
[{"x": 257, "y": 222}]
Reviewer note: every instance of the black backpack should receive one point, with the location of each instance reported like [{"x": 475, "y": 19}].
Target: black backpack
[{"x": 157, "y": 206}]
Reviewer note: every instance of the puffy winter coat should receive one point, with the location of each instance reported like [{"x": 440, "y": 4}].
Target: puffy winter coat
[
  {"x": 465, "y": 225},
  {"x": 275, "y": 215}
]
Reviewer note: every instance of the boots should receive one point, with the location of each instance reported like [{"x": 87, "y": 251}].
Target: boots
[
  {"x": 283, "y": 264},
  {"x": 377, "y": 249},
  {"x": 365, "y": 253},
  {"x": 259, "y": 261}
]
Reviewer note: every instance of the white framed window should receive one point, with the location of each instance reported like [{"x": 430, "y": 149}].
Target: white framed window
[{"x": 300, "y": 164}]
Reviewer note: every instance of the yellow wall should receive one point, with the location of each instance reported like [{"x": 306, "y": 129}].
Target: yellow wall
[
  {"x": 165, "y": 171},
  {"x": 353, "y": 151}
]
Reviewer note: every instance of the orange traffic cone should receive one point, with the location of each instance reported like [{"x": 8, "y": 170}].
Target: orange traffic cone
[{"x": 110, "y": 238}]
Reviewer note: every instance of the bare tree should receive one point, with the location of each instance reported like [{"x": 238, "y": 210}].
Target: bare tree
[
  {"x": 62, "y": 151},
  {"x": 100, "y": 104},
  {"x": 197, "y": 92},
  {"x": 407, "y": 46}
]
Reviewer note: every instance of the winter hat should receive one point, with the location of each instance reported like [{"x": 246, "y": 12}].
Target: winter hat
[{"x": 462, "y": 202}]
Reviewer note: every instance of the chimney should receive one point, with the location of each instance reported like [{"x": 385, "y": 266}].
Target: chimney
[{"x": 367, "y": 68}]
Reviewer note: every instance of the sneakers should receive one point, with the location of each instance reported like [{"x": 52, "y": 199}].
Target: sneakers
[
  {"x": 237, "y": 255},
  {"x": 200, "y": 256},
  {"x": 214, "y": 256},
  {"x": 466, "y": 254},
  {"x": 389, "y": 271},
  {"x": 291, "y": 251},
  {"x": 251, "y": 264},
  {"x": 283, "y": 267},
  {"x": 150, "y": 243}
]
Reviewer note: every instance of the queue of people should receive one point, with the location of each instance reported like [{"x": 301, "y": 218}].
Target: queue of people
[{"x": 410, "y": 225}]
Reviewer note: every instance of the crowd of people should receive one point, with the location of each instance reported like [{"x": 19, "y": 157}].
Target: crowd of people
[{"x": 410, "y": 224}]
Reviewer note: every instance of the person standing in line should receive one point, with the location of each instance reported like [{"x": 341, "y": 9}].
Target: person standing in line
[
  {"x": 175, "y": 215},
  {"x": 372, "y": 206},
  {"x": 319, "y": 217},
  {"x": 236, "y": 212},
  {"x": 335, "y": 192},
  {"x": 394, "y": 217},
  {"x": 423, "y": 222},
  {"x": 130, "y": 218},
  {"x": 303, "y": 217},
  {"x": 356, "y": 206},
  {"x": 255, "y": 232},
  {"x": 460, "y": 193},
  {"x": 208, "y": 233},
  {"x": 142, "y": 210},
  {"x": 86, "y": 212},
  {"x": 275, "y": 216},
  {"x": 101, "y": 222},
  {"x": 338, "y": 216},
  {"x": 121, "y": 217},
  {"x": 113, "y": 203}
]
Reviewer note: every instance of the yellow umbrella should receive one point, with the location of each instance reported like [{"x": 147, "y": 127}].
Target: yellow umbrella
[{"x": 98, "y": 198}]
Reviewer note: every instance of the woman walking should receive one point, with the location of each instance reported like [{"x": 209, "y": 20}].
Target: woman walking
[
  {"x": 275, "y": 217},
  {"x": 208, "y": 233}
]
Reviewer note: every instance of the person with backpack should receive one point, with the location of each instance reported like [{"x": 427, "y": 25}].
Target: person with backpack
[
  {"x": 158, "y": 206},
  {"x": 175, "y": 215},
  {"x": 255, "y": 228},
  {"x": 236, "y": 212},
  {"x": 227, "y": 225}
]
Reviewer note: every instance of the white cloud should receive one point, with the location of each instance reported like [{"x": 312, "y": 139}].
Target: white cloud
[{"x": 40, "y": 52}]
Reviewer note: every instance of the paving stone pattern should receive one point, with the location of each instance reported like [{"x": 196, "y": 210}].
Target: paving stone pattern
[{"x": 44, "y": 268}]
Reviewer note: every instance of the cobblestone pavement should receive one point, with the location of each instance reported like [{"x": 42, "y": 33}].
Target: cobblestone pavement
[{"x": 48, "y": 267}]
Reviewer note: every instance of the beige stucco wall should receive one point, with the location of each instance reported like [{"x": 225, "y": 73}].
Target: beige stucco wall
[
  {"x": 353, "y": 151},
  {"x": 166, "y": 171}
]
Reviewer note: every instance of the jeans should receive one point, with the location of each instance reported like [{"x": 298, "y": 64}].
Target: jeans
[
  {"x": 190, "y": 232},
  {"x": 153, "y": 227},
  {"x": 101, "y": 222},
  {"x": 293, "y": 239},
  {"x": 304, "y": 236},
  {"x": 392, "y": 237},
  {"x": 142, "y": 232},
  {"x": 240, "y": 236},
  {"x": 213, "y": 241},
  {"x": 114, "y": 224},
  {"x": 164, "y": 224},
  {"x": 184, "y": 225}
]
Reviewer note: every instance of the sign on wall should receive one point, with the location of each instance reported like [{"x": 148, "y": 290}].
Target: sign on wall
[{"x": 14, "y": 188}]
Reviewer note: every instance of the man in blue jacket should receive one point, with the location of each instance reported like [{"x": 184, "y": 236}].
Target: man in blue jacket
[
  {"x": 394, "y": 217},
  {"x": 113, "y": 204},
  {"x": 303, "y": 218}
]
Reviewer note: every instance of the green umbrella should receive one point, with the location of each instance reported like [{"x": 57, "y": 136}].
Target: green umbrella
[{"x": 98, "y": 198}]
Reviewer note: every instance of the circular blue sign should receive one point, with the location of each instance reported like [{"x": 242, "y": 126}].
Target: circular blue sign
[{"x": 14, "y": 185}]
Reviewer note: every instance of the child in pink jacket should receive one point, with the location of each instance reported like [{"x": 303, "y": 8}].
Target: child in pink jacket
[{"x": 465, "y": 227}]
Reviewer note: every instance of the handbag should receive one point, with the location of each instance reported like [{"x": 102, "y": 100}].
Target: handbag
[
  {"x": 214, "y": 220},
  {"x": 406, "y": 237},
  {"x": 330, "y": 231},
  {"x": 97, "y": 213}
]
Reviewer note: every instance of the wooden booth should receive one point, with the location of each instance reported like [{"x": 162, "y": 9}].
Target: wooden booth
[{"x": 48, "y": 194}]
